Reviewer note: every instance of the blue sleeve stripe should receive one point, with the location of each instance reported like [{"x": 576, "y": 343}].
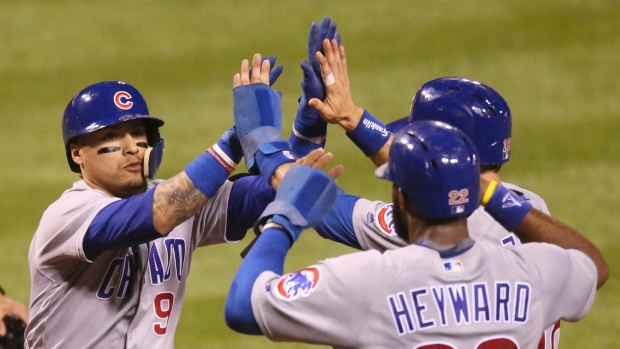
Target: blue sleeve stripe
[
  {"x": 337, "y": 225},
  {"x": 121, "y": 224}
]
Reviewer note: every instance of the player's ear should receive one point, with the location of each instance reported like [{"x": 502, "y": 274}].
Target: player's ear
[{"x": 76, "y": 156}]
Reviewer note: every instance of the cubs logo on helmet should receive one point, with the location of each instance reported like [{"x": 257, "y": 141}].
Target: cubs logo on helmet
[
  {"x": 384, "y": 220},
  {"x": 299, "y": 284},
  {"x": 122, "y": 100}
]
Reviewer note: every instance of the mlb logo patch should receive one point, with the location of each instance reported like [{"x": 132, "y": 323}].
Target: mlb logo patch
[
  {"x": 298, "y": 284},
  {"x": 383, "y": 220},
  {"x": 453, "y": 266},
  {"x": 458, "y": 209}
]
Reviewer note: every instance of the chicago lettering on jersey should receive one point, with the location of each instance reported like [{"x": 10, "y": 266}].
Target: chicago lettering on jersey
[
  {"x": 118, "y": 280},
  {"x": 459, "y": 304}
]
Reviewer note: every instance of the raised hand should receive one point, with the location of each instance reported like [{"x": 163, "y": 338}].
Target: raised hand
[
  {"x": 338, "y": 106},
  {"x": 258, "y": 73},
  {"x": 327, "y": 30},
  {"x": 274, "y": 71},
  {"x": 309, "y": 129},
  {"x": 258, "y": 119}
]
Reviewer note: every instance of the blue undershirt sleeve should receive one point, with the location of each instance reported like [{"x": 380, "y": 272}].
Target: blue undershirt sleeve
[
  {"x": 249, "y": 196},
  {"x": 267, "y": 254},
  {"x": 121, "y": 224},
  {"x": 337, "y": 225}
]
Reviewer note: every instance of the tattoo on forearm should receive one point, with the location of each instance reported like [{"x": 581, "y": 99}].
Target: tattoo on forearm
[{"x": 176, "y": 200}]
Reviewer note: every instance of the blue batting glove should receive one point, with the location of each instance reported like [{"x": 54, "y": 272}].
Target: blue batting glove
[
  {"x": 311, "y": 84},
  {"x": 309, "y": 129},
  {"x": 327, "y": 30}
]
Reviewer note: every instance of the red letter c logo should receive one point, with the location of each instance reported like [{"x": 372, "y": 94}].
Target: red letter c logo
[{"x": 122, "y": 100}]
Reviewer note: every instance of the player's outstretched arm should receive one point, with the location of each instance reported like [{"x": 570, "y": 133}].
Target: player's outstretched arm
[
  {"x": 531, "y": 225},
  {"x": 305, "y": 194},
  {"x": 367, "y": 132},
  {"x": 539, "y": 227}
]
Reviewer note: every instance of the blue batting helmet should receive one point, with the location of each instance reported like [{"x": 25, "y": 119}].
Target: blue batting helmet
[
  {"x": 104, "y": 104},
  {"x": 473, "y": 107},
  {"x": 437, "y": 167}
]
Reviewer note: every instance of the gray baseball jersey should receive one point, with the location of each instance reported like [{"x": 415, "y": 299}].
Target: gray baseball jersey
[
  {"x": 485, "y": 297},
  {"x": 372, "y": 222},
  {"x": 125, "y": 298}
]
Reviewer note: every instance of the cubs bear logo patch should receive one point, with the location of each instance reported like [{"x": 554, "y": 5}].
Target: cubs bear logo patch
[
  {"x": 383, "y": 220},
  {"x": 299, "y": 284}
]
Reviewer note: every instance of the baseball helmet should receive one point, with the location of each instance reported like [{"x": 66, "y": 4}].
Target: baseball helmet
[
  {"x": 437, "y": 167},
  {"x": 473, "y": 107},
  {"x": 104, "y": 104}
]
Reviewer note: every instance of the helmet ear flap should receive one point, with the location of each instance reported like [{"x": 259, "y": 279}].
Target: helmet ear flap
[{"x": 152, "y": 159}]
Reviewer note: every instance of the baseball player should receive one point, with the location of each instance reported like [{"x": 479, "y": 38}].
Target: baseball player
[
  {"x": 443, "y": 290},
  {"x": 473, "y": 107},
  {"x": 110, "y": 258}
]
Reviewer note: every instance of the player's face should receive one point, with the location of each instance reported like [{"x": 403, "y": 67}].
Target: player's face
[{"x": 111, "y": 159}]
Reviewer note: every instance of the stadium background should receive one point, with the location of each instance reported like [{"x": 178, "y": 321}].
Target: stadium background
[{"x": 556, "y": 63}]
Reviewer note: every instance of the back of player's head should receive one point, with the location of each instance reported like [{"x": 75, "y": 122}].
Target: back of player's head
[
  {"x": 473, "y": 107},
  {"x": 104, "y": 104},
  {"x": 437, "y": 167}
]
